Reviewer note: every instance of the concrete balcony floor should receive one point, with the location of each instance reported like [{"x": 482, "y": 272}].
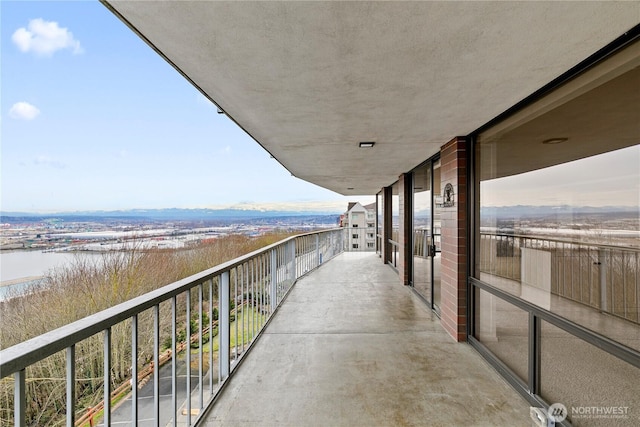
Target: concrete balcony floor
[{"x": 351, "y": 346}]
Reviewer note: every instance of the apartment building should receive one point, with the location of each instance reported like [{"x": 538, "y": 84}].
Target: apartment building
[{"x": 361, "y": 224}]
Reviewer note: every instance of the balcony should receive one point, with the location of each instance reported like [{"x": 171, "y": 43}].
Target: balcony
[
  {"x": 352, "y": 346},
  {"x": 348, "y": 345}
]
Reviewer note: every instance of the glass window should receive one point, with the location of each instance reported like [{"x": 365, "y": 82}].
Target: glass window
[
  {"x": 559, "y": 208},
  {"x": 379, "y": 221},
  {"x": 422, "y": 236},
  {"x": 395, "y": 211},
  {"x": 504, "y": 329},
  {"x": 608, "y": 387}
]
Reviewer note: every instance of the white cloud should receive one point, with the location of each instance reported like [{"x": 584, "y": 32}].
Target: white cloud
[
  {"x": 226, "y": 150},
  {"x": 23, "y": 111},
  {"x": 44, "y": 38},
  {"x": 48, "y": 161}
]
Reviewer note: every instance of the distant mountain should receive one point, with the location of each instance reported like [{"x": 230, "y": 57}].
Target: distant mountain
[
  {"x": 523, "y": 211},
  {"x": 163, "y": 214}
]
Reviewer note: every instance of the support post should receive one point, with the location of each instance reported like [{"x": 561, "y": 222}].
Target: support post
[
  {"x": 71, "y": 385},
  {"x": 223, "y": 325},
  {"x": 19, "y": 398},
  {"x": 602, "y": 262},
  {"x": 107, "y": 377},
  {"x": 274, "y": 281}
]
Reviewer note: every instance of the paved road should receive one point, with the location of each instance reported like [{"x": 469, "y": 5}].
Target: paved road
[{"x": 121, "y": 416}]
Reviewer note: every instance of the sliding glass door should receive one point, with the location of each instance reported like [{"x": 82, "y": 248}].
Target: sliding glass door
[{"x": 426, "y": 232}]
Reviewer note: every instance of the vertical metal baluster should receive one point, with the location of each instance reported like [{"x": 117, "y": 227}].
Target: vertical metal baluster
[
  {"x": 256, "y": 287},
  {"x": 211, "y": 337},
  {"x": 200, "y": 364},
  {"x": 174, "y": 359},
  {"x": 223, "y": 325},
  {"x": 590, "y": 272},
  {"x": 279, "y": 255},
  {"x": 273, "y": 298},
  {"x": 248, "y": 306},
  {"x": 220, "y": 327},
  {"x": 19, "y": 398},
  {"x": 107, "y": 377},
  {"x": 245, "y": 300},
  {"x": 561, "y": 265},
  {"x": 637, "y": 285},
  {"x": 235, "y": 301},
  {"x": 262, "y": 281},
  {"x": 71, "y": 385},
  {"x": 580, "y": 279},
  {"x": 637, "y": 275},
  {"x": 611, "y": 281},
  {"x": 291, "y": 256},
  {"x": 308, "y": 251},
  {"x": 624, "y": 282},
  {"x": 260, "y": 291},
  {"x": 188, "y": 358},
  {"x": 134, "y": 369},
  {"x": 156, "y": 364},
  {"x": 253, "y": 299}
]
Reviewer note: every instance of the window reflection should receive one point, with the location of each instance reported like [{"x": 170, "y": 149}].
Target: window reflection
[
  {"x": 566, "y": 247},
  {"x": 422, "y": 238}
]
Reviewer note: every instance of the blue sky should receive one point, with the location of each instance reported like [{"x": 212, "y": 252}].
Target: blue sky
[{"x": 93, "y": 119}]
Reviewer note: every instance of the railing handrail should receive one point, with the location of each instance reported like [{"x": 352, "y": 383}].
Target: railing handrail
[
  {"x": 559, "y": 240},
  {"x": 26, "y": 353}
]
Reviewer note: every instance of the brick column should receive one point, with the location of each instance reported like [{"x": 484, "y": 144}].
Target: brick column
[
  {"x": 453, "y": 169},
  {"x": 404, "y": 232}
]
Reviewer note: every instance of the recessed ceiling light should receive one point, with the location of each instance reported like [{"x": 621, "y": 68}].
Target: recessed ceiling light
[
  {"x": 555, "y": 140},
  {"x": 367, "y": 144}
]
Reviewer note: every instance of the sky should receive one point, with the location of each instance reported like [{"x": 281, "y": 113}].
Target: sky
[
  {"x": 608, "y": 179},
  {"x": 93, "y": 119}
]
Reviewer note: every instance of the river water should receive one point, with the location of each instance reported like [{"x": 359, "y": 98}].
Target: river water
[{"x": 18, "y": 268}]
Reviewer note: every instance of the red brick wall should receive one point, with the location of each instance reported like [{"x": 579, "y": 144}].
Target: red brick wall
[{"x": 453, "y": 160}]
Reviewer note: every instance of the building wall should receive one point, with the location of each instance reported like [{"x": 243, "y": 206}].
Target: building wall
[
  {"x": 361, "y": 223},
  {"x": 453, "y": 157}
]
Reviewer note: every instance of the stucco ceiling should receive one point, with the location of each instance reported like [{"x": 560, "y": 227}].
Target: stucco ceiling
[{"x": 309, "y": 80}]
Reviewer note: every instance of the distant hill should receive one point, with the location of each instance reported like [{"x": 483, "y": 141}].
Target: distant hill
[
  {"x": 523, "y": 211},
  {"x": 172, "y": 214}
]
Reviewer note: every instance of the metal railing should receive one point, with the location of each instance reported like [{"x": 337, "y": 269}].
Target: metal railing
[
  {"x": 227, "y": 305},
  {"x": 422, "y": 240},
  {"x": 605, "y": 277}
]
